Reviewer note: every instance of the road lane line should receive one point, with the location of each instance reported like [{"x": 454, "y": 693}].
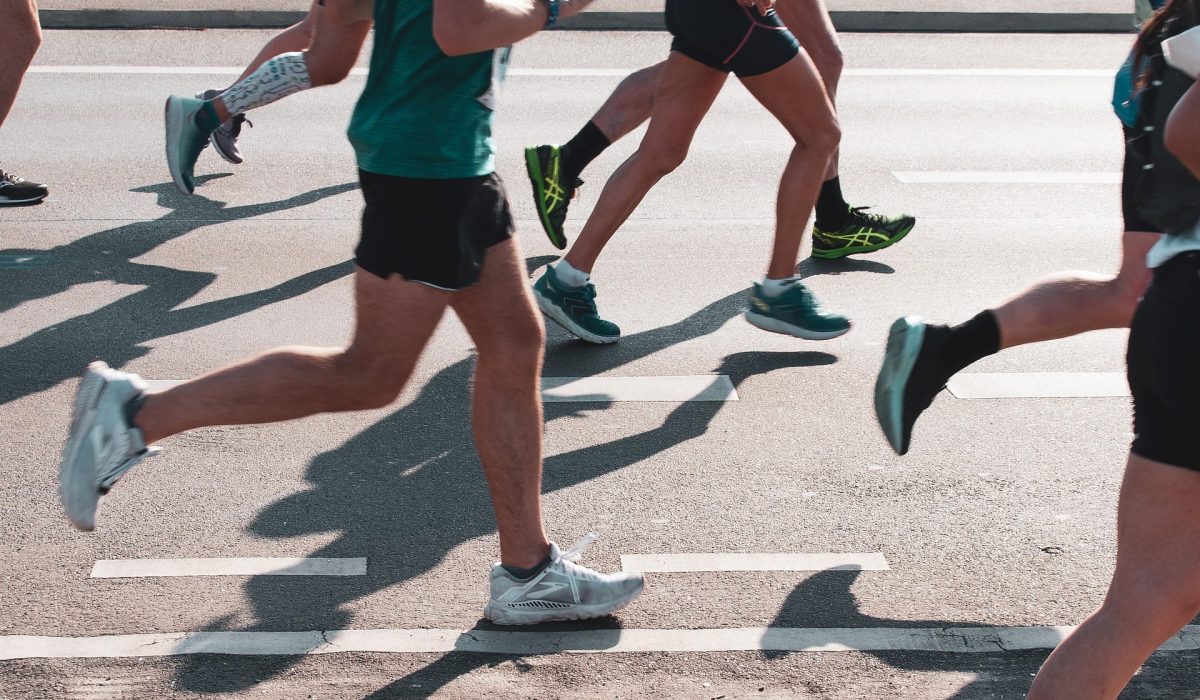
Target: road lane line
[
  {"x": 704, "y": 387},
  {"x": 1039, "y": 385},
  {"x": 246, "y": 566},
  {"x": 663, "y": 563},
  {"x": 1016, "y": 177},
  {"x": 953, "y": 640},
  {"x": 1102, "y": 73}
]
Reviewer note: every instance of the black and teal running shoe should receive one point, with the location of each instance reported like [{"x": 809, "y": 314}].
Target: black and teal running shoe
[
  {"x": 909, "y": 379},
  {"x": 551, "y": 195},
  {"x": 574, "y": 308},
  {"x": 862, "y": 233},
  {"x": 794, "y": 312}
]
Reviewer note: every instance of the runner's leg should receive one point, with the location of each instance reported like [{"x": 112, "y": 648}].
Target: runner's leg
[{"x": 20, "y": 37}]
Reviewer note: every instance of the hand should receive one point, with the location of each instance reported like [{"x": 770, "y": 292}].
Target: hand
[{"x": 764, "y": 7}]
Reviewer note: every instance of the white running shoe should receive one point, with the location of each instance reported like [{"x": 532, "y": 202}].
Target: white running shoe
[
  {"x": 563, "y": 590},
  {"x": 102, "y": 445}
]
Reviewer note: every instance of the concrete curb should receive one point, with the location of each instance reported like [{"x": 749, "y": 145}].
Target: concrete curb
[{"x": 845, "y": 21}]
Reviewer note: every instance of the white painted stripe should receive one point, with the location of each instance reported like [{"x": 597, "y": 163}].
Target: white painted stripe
[
  {"x": 315, "y": 566},
  {"x": 614, "y": 72},
  {"x": 704, "y": 387},
  {"x": 1039, "y": 385},
  {"x": 662, "y": 563},
  {"x": 954, "y": 640},
  {"x": 1019, "y": 177}
]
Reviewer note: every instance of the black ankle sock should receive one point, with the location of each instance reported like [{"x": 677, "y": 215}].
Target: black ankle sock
[
  {"x": 581, "y": 150},
  {"x": 524, "y": 574},
  {"x": 832, "y": 210},
  {"x": 970, "y": 342}
]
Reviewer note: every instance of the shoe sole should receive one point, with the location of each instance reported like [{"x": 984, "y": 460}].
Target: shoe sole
[
  {"x": 552, "y": 312},
  {"x": 86, "y": 397},
  {"x": 221, "y": 151},
  {"x": 507, "y": 616},
  {"x": 856, "y": 250},
  {"x": 903, "y": 346},
  {"x": 533, "y": 168},
  {"x": 774, "y": 325},
  {"x": 5, "y": 202},
  {"x": 174, "y": 117}
]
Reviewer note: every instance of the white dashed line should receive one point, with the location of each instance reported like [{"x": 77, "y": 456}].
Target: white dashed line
[
  {"x": 663, "y": 563},
  {"x": 146, "y": 568}
]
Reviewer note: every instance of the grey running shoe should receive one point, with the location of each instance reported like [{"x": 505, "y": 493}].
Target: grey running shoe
[
  {"x": 563, "y": 590},
  {"x": 16, "y": 190},
  {"x": 224, "y": 139},
  {"x": 184, "y": 140},
  {"x": 102, "y": 445}
]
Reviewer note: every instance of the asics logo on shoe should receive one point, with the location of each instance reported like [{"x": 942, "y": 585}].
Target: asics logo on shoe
[{"x": 759, "y": 304}]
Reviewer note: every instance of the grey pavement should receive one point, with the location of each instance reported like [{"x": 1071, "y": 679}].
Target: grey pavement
[
  {"x": 1002, "y": 514},
  {"x": 848, "y": 15}
]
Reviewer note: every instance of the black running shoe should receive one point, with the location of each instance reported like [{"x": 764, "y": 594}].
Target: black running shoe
[
  {"x": 551, "y": 192},
  {"x": 909, "y": 379},
  {"x": 15, "y": 190},
  {"x": 862, "y": 233}
]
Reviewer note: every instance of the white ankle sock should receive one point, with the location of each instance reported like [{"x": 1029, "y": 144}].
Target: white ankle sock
[
  {"x": 284, "y": 75},
  {"x": 773, "y": 288},
  {"x": 567, "y": 275}
]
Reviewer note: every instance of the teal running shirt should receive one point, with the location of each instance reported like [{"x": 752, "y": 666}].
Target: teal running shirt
[{"x": 424, "y": 114}]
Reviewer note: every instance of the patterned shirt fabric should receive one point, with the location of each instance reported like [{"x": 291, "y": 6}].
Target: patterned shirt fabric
[{"x": 424, "y": 114}]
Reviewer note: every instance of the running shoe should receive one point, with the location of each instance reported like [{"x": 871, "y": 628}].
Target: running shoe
[
  {"x": 551, "y": 195},
  {"x": 102, "y": 444},
  {"x": 908, "y": 380},
  {"x": 224, "y": 139},
  {"x": 574, "y": 308},
  {"x": 185, "y": 140},
  {"x": 563, "y": 590},
  {"x": 794, "y": 312},
  {"x": 17, "y": 190},
  {"x": 863, "y": 233}
]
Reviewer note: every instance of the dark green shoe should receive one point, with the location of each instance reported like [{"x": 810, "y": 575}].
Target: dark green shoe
[
  {"x": 551, "y": 195},
  {"x": 794, "y": 312},
  {"x": 574, "y": 308},
  {"x": 863, "y": 233}
]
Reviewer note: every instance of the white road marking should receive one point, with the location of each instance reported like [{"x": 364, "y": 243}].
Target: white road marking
[
  {"x": 953, "y": 640},
  {"x": 1016, "y": 177},
  {"x": 1039, "y": 385},
  {"x": 316, "y": 566},
  {"x": 662, "y": 563},
  {"x": 704, "y": 387},
  {"x": 1104, "y": 73}
]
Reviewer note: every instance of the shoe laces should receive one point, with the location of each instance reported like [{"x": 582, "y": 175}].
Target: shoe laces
[
  {"x": 236, "y": 129},
  {"x": 575, "y": 551},
  {"x": 8, "y": 177},
  {"x": 861, "y": 213}
]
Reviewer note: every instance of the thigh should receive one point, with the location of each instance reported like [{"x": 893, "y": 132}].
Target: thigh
[
  {"x": 686, "y": 92},
  {"x": 18, "y": 18},
  {"x": 500, "y": 307},
  {"x": 795, "y": 95},
  {"x": 336, "y": 43},
  {"x": 394, "y": 319}
]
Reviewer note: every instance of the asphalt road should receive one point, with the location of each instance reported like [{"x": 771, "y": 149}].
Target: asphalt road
[{"x": 1001, "y": 515}]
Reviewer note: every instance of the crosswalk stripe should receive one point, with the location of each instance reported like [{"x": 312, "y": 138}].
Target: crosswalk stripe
[
  {"x": 704, "y": 387},
  {"x": 245, "y": 566},
  {"x": 953, "y": 640},
  {"x": 1039, "y": 385},
  {"x": 678, "y": 563},
  {"x": 1015, "y": 177}
]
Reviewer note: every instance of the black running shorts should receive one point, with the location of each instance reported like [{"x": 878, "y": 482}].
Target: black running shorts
[
  {"x": 726, "y": 36},
  {"x": 431, "y": 231},
  {"x": 1130, "y": 174},
  {"x": 1164, "y": 366}
]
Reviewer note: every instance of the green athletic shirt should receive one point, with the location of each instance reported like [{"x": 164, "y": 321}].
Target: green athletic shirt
[{"x": 424, "y": 114}]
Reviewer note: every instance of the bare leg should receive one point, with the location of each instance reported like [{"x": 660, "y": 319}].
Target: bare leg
[
  {"x": 1154, "y": 592},
  {"x": 630, "y": 104},
  {"x": 297, "y": 37},
  {"x": 1070, "y": 303},
  {"x": 20, "y": 37},
  {"x": 394, "y": 321},
  {"x": 507, "y": 406},
  {"x": 794, "y": 94},
  {"x": 810, "y": 23},
  {"x": 685, "y": 94}
]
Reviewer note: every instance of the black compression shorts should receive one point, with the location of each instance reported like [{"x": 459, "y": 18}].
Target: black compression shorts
[
  {"x": 1164, "y": 365},
  {"x": 431, "y": 231},
  {"x": 726, "y": 36}
]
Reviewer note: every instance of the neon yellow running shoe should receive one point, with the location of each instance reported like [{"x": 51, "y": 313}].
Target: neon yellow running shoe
[
  {"x": 862, "y": 233},
  {"x": 551, "y": 195}
]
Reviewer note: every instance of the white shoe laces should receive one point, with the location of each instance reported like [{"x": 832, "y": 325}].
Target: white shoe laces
[{"x": 576, "y": 550}]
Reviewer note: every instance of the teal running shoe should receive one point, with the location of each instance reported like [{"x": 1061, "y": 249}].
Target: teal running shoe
[
  {"x": 574, "y": 308},
  {"x": 909, "y": 379},
  {"x": 185, "y": 140},
  {"x": 794, "y": 312},
  {"x": 551, "y": 194}
]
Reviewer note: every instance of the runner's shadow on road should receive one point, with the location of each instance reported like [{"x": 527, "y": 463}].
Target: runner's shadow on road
[
  {"x": 409, "y": 489},
  {"x": 118, "y": 332},
  {"x": 812, "y": 267}
]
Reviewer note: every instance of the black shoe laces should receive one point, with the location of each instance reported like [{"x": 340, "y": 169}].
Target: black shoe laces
[
  {"x": 861, "y": 214},
  {"x": 8, "y": 177},
  {"x": 236, "y": 129}
]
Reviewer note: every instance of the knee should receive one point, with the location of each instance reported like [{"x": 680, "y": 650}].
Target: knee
[
  {"x": 1129, "y": 287},
  {"x": 517, "y": 351},
  {"x": 366, "y": 382},
  {"x": 661, "y": 159},
  {"x": 324, "y": 69},
  {"x": 824, "y": 139},
  {"x": 830, "y": 63}
]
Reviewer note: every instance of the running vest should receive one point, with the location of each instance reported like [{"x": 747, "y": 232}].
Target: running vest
[{"x": 424, "y": 114}]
